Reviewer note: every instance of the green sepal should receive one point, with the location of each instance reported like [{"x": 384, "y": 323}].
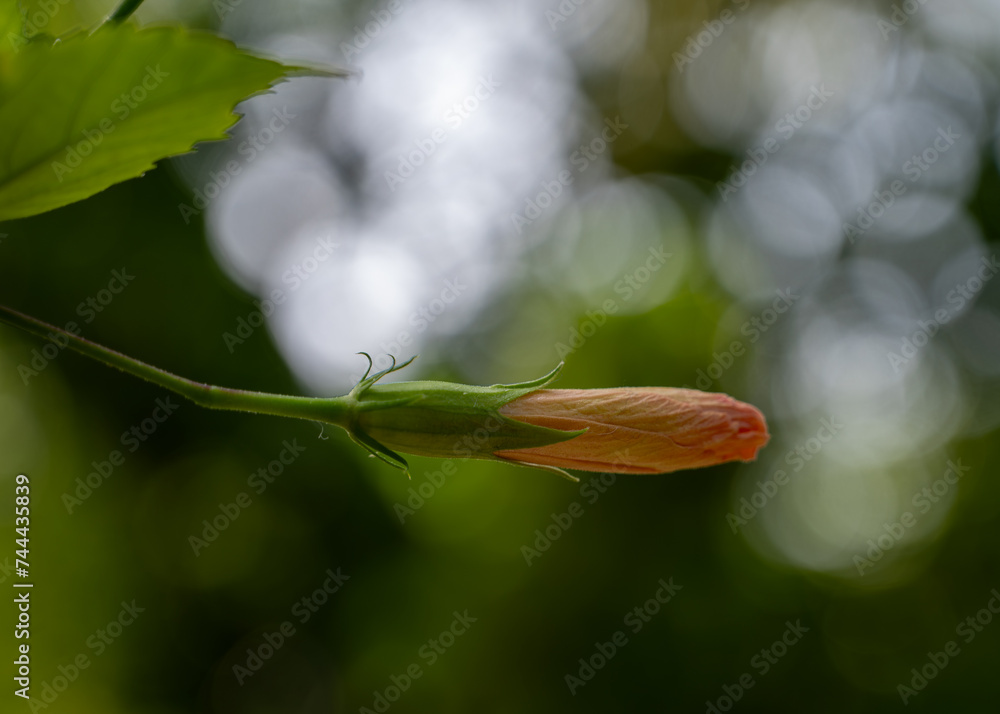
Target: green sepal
[
  {"x": 535, "y": 384},
  {"x": 379, "y": 451},
  {"x": 445, "y": 419},
  {"x": 544, "y": 467},
  {"x": 366, "y": 382}
]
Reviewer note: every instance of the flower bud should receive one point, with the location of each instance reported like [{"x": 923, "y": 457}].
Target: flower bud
[
  {"x": 628, "y": 430},
  {"x": 638, "y": 430}
]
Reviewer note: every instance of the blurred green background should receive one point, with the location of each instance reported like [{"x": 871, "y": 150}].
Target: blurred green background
[{"x": 811, "y": 543}]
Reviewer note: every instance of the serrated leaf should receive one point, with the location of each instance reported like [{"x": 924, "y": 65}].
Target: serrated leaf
[{"x": 91, "y": 111}]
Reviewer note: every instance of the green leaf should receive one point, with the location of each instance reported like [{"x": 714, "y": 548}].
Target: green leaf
[
  {"x": 91, "y": 111},
  {"x": 10, "y": 28}
]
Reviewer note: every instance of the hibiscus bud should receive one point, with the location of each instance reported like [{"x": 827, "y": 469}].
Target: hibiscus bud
[
  {"x": 638, "y": 430},
  {"x": 629, "y": 430}
]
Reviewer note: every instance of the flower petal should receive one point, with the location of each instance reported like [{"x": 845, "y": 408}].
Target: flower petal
[{"x": 639, "y": 430}]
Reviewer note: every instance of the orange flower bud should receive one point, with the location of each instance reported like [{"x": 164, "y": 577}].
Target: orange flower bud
[{"x": 640, "y": 430}]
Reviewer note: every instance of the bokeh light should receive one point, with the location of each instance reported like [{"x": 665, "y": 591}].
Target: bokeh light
[{"x": 794, "y": 203}]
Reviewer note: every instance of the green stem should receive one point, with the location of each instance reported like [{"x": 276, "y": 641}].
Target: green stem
[
  {"x": 335, "y": 410},
  {"x": 124, "y": 10}
]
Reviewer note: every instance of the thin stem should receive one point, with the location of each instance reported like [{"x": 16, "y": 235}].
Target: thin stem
[
  {"x": 335, "y": 410},
  {"x": 124, "y": 10}
]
